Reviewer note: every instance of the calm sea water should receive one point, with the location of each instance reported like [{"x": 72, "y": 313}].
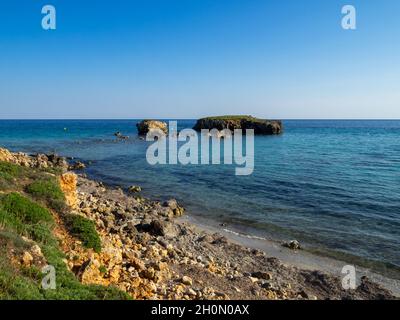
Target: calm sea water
[{"x": 334, "y": 185}]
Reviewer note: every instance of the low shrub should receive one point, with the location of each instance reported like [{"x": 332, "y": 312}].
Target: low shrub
[
  {"x": 49, "y": 191},
  {"x": 85, "y": 230}
]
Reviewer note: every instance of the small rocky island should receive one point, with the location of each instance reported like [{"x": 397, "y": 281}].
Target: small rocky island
[
  {"x": 148, "y": 125},
  {"x": 260, "y": 126}
]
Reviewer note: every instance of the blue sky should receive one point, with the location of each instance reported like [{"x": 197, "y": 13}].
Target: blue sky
[{"x": 191, "y": 58}]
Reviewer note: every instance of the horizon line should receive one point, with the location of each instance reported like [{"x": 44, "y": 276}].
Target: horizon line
[{"x": 149, "y": 118}]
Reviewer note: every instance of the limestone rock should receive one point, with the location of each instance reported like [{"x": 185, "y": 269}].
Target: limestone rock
[
  {"x": 164, "y": 228},
  {"x": 146, "y": 126},
  {"x": 26, "y": 259},
  {"x": 187, "y": 280},
  {"x": 68, "y": 183}
]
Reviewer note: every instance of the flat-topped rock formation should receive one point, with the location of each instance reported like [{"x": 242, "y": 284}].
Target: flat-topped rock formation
[{"x": 260, "y": 126}]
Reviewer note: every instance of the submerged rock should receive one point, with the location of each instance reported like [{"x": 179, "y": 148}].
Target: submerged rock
[
  {"x": 260, "y": 126},
  {"x": 119, "y": 135}
]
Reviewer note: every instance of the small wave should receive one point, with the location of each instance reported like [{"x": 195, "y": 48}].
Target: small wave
[{"x": 248, "y": 236}]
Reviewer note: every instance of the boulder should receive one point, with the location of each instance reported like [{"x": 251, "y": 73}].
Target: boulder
[
  {"x": 293, "y": 245},
  {"x": 134, "y": 189},
  {"x": 146, "y": 126},
  {"x": 78, "y": 165},
  {"x": 164, "y": 228},
  {"x": 173, "y": 205}
]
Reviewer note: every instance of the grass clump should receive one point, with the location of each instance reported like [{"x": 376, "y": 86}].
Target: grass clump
[
  {"x": 25, "y": 209},
  {"x": 10, "y": 170},
  {"x": 26, "y": 217},
  {"x": 48, "y": 191},
  {"x": 85, "y": 230},
  {"x": 8, "y": 174}
]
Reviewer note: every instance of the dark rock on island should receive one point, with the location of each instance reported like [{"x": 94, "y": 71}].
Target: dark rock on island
[{"x": 260, "y": 126}]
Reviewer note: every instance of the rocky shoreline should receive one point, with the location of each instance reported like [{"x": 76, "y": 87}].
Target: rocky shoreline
[
  {"x": 150, "y": 254},
  {"x": 162, "y": 258}
]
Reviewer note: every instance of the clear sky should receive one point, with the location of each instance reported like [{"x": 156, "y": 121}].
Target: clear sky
[{"x": 191, "y": 58}]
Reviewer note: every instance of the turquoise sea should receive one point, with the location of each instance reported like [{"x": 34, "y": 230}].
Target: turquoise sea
[{"x": 334, "y": 185}]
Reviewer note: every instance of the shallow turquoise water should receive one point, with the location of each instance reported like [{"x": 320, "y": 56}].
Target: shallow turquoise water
[{"x": 332, "y": 184}]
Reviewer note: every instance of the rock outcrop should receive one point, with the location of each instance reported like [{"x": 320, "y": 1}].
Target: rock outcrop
[
  {"x": 42, "y": 161},
  {"x": 260, "y": 126},
  {"x": 148, "y": 125},
  {"x": 68, "y": 183}
]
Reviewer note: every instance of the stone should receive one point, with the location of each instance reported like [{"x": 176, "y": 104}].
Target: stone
[
  {"x": 26, "y": 259},
  {"x": 134, "y": 189},
  {"x": 164, "y": 228},
  {"x": 293, "y": 245},
  {"x": 253, "y": 279},
  {"x": 36, "y": 250},
  {"x": 78, "y": 165},
  {"x": 262, "y": 275},
  {"x": 191, "y": 292},
  {"x": 172, "y": 203},
  {"x": 187, "y": 280},
  {"x": 149, "y": 273}
]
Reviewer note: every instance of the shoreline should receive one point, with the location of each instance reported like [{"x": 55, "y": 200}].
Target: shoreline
[
  {"x": 272, "y": 246},
  {"x": 299, "y": 261},
  {"x": 300, "y": 258},
  {"x": 152, "y": 250}
]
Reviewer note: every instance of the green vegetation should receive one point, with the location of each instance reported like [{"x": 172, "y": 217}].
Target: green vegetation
[
  {"x": 103, "y": 269},
  {"x": 48, "y": 191},
  {"x": 25, "y": 217},
  {"x": 8, "y": 174},
  {"x": 85, "y": 230},
  {"x": 25, "y": 210},
  {"x": 10, "y": 171},
  {"x": 234, "y": 118},
  {"x": 22, "y": 216}
]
